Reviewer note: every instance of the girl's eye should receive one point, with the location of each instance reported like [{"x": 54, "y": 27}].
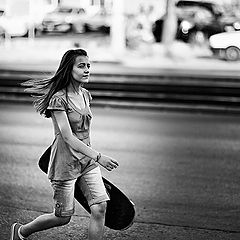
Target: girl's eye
[{"x": 83, "y": 65}]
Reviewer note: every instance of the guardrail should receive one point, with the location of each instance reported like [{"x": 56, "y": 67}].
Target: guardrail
[{"x": 176, "y": 89}]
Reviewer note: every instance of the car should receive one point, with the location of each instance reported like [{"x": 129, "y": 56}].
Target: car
[
  {"x": 15, "y": 26},
  {"x": 63, "y": 20},
  {"x": 226, "y": 45},
  {"x": 1, "y": 12},
  {"x": 197, "y": 21},
  {"x": 2, "y": 32},
  {"x": 98, "y": 21}
]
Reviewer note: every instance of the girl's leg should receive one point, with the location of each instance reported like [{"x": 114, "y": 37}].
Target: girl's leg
[
  {"x": 92, "y": 186},
  {"x": 43, "y": 222},
  {"x": 64, "y": 208},
  {"x": 97, "y": 219}
]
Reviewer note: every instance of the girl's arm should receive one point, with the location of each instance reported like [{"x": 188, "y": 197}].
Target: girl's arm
[{"x": 78, "y": 145}]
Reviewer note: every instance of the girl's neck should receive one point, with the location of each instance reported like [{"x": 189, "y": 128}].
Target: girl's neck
[{"x": 74, "y": 88}]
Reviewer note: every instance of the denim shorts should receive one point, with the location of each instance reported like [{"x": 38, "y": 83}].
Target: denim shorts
[{"x": 92, "y": 186}]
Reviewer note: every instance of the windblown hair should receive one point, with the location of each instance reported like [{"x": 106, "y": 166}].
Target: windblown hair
[{"x": 43, "y": 89}]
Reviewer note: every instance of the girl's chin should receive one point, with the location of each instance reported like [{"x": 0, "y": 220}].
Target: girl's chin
[{"x": 84, "y": 79}]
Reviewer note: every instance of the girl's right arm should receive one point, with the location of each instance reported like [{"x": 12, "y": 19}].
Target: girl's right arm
[{"x": 78, "y": 145}]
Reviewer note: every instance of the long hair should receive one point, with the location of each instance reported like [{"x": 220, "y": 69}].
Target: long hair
[{"x": 43, "y": 89}]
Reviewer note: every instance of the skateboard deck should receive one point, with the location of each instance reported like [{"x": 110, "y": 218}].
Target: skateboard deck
[{"x": 120, "y": 211}]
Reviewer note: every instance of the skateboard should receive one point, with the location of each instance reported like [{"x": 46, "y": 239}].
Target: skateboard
[{"x": 120, "y": 211}]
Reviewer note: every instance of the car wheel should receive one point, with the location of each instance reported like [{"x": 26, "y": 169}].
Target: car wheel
[
  {"x": 104, "y": 29},
  {"x": 37, "y": 32},
  {"x": 232, "y": 53},
  {"x": 86, "y": 28},
  {"x": 70, "y": 29},
  {"x": 43, "y": 31}
]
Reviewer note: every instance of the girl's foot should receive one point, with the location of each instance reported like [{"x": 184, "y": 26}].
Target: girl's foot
[{"x": 15, "y": 234}]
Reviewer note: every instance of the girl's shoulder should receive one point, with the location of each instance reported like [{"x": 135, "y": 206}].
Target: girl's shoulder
[
  {"x": 60, "y": 93},
  {"x": 87, "y": 93},
  {"x": 58, "y": 101}
]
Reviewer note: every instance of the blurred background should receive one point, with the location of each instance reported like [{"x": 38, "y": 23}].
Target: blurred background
[
  {"x": 126, "y": 25},
  {"x": 153, "y": 40}
]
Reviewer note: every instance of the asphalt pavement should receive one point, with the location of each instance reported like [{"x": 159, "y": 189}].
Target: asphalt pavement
[{"x": 180, "y": 170}]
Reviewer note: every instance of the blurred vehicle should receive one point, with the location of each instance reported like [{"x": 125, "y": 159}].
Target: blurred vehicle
[
  {"x": 14, "y": 26},
  {"x": 64, "y": 19},
  {"x": 197, "y": 21},
  {"x": 226, "y": 45},
  {"x": 17, "y": 26},
  {"x": 1, "y": 28},
  {"x": 98, "y": 20}
]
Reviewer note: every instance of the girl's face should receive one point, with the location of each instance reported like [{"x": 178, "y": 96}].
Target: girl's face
[{"x": 80, "y": 71}]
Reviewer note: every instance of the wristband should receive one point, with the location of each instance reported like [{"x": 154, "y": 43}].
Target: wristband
[{"x": 98, "y": 157}]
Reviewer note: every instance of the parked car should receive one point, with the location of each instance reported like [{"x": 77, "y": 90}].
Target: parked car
[
  {"x": 197, "y": 20},
  {"x": 15, "y": 26},
  {"x": 99, "y": 20},
  {"x": 63, "y": 19},
  {"x": 1, "y": 12},
  {"x": 1, "y": 28},
  {"x": 226, "y": 45}
]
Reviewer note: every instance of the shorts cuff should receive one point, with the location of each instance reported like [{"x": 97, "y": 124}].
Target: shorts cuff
[
  {"x": 60, "y": 212},
  {"x": 100, "y": 199},
  {"x": 64, "y": 214}
]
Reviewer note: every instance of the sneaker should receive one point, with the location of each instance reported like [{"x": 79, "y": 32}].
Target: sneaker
[{"x": 14, "y": 231}]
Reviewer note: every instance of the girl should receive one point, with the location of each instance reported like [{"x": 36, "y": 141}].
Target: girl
[{"x": 72, "y": 161}]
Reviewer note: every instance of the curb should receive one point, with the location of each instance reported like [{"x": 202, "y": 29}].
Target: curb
[{"x": 183, "y": 108}]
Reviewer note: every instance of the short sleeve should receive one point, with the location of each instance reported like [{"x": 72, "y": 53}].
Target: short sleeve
[{"x": 56, "y": 103}]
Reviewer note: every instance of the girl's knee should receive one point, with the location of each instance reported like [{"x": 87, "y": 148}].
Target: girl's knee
[{"x": 99, "y": 209}]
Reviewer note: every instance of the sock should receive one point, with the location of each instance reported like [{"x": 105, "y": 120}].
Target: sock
[{"x": 20, "y": 235}]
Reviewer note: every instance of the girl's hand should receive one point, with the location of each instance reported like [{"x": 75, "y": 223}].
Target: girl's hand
[{"x": 108, "y": 162}]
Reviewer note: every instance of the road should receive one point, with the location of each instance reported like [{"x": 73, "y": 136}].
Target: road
[{"x": 180, "y": 170}]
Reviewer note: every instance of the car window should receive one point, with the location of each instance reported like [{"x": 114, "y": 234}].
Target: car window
[
  {"x": 64, "y": 10},
  {"x": 195, "y": 13},
  {"x": 80, "y": 10}
]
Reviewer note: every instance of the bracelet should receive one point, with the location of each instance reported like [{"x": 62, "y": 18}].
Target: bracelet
[{"x": 98, "y": 157}]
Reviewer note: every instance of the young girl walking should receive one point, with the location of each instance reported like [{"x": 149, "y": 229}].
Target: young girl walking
[{"x": 73, "y": 161}]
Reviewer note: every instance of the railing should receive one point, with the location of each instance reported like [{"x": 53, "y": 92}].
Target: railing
[{"x": 177, "y": 89}]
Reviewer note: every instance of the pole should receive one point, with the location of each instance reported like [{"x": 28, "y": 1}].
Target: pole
[
  {"x": 31, "y": 26},
  {"x": 118, "y": 38},
  {"x": 169, "y": 27}
]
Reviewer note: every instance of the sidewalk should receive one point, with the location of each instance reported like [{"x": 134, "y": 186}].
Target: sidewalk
[
  {"x": 45, "y": 55},
  {"x": 77, "y": 229}
]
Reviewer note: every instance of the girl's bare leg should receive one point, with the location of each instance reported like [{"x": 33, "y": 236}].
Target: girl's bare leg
[
  {"x": 43, "y": 222},
  {"x": 97, "y": 220}
]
